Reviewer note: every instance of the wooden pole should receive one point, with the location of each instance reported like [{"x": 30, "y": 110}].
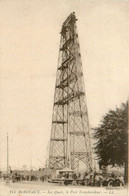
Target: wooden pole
[
  {"x": 126, "y": 170},
  {"x": 7, "y": 156},
  {"x": 7, "y": 181}
]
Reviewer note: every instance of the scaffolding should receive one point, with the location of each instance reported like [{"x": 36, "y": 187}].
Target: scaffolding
[{"x": 70, "y": 136}]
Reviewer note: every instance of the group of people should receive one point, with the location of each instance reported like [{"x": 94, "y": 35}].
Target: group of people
[
  {"x": 88, "y": 179},
  {"x": 93, "y": 179},
  {"x": 96, "y": 179},
  {"x": 16, "y": 177}
]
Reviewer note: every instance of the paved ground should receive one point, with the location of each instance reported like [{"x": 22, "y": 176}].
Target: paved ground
[{"x": 48, "y": 189}]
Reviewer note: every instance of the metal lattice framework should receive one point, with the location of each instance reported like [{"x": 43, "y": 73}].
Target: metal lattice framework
[{"x": 70, "y": 137}]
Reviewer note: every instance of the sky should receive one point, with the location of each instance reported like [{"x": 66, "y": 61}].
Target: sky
[{"x": 29, "y": 46}]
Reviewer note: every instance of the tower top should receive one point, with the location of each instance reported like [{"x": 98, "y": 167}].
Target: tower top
[
  {"x": 70, "y": 20},
  {"x": 71, "y": 17}
]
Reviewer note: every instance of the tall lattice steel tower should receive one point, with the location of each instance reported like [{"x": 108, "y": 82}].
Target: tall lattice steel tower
[{"x": 70, "y": 137}]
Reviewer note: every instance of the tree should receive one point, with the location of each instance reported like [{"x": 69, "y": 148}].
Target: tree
[{"x": 111, "y": 146}]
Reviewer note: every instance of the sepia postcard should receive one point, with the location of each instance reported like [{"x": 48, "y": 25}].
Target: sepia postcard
[{"x": 64, "y": 97}]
